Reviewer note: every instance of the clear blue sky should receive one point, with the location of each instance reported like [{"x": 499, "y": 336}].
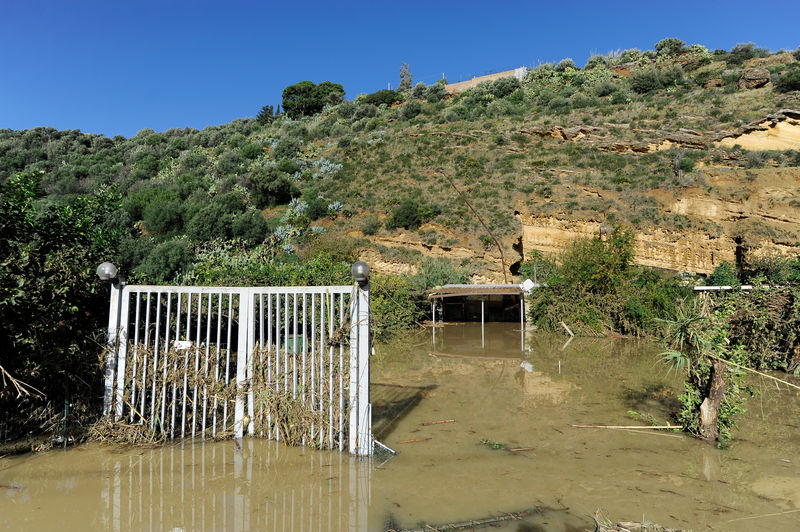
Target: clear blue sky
[{"x": 117, "y": 67}]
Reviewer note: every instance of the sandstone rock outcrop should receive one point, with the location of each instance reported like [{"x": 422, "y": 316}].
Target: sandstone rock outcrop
[{"x": 754, "y": 78}]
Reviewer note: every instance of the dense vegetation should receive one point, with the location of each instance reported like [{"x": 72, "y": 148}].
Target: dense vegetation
[
  {"x": 291, "y": 197},
  {"x": 598, "y": 290}
]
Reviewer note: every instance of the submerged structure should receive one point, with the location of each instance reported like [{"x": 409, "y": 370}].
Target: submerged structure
[
  {"x": 456, "y": 303},
  {"x": 478, "y": 302}
]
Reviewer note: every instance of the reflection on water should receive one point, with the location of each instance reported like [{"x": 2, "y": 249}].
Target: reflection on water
[
  {"x": 477, "y": 436},
  {"x": 201, "y": 486},
  {"x": 494, "y": 339}
]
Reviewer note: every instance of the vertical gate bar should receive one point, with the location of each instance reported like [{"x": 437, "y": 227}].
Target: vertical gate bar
[
  {"x": 123, "y": 351},
  {"x": 245, "y": 298},
  {"x": 196, "y": 360},
  {"x": 331, "y": 304},
  {"x": 144, "y": 359},
  {"x": 227, "y": 360},
  {"x": 135, "y": 355},
  {"x": 216, "y": 363},
  {"x": 341, "y": 376},
  {"x": 294, "y": 346},
  {"x": 166, "y": 363},
  {"x": 313, "y": 357},
  {"x": 153, "y": 400},
  {"x": 269, "y": 383},
  {"x": 261, "y": 357},
  {"x": 321, "y": 373},
  {"x": 205, "y": 365},
  {"x": 175, "y": 364},
  {"x": 286, "y": 342},
  {"x": 277, "y": 350},
  {"x": 304, "y": 389},
  {"x": 186, "y": 362},
  {"x": 251, "y": 340}
]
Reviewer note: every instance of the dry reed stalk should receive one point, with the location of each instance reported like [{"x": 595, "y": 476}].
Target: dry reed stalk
[{"x": 279, "y": 382}]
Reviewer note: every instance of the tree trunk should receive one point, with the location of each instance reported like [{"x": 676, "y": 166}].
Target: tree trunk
[{"x": 709, "y": 409}]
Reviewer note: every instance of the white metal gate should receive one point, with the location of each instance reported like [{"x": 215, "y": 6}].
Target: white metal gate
[{"x": 269, "y": 361}]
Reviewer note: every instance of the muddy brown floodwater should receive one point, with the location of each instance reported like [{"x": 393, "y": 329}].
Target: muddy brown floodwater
[{"x": 510, "y": 447}]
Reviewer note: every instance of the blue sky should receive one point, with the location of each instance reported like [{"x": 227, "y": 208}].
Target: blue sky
[{"x": 117, "y": 67}]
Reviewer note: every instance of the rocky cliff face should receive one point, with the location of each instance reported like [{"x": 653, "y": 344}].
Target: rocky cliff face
[
  {"x": 727, "y": 213},
  {"x": 735, "y": 214},
  {"x": 751, "y": 212}
]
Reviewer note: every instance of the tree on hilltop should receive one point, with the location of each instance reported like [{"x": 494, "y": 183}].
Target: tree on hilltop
[
  {"x": 405, "y": 77},
  {"x": 307, "y": 99}
]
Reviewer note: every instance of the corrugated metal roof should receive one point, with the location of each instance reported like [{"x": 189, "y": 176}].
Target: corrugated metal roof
[{"x": 461, "y": 290}]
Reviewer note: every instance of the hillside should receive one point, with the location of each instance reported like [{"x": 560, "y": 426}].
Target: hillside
[{"x": 698, "y": 151}]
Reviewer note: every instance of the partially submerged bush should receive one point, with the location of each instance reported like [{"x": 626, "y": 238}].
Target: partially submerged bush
[{"x": 596, "y": 289}]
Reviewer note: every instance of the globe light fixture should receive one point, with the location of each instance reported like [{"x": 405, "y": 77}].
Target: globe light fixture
[
  {"x": 360, "y": 272},
  {"x": 107, "y": 272}
]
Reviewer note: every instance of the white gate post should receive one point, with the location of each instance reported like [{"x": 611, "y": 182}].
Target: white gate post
[
  {"x": 360, "y": 408},
  {"x": 242, "y": 356},
  {"x": 112, "y": 339}
]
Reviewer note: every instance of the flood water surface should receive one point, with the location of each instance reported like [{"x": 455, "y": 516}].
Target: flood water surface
[{"x": 482, "y": 424}]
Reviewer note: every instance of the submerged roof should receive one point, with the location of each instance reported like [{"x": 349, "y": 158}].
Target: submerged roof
[{"x": 461, "y": 290}]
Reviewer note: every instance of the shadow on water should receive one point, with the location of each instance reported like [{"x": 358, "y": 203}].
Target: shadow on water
[{"x": 391, "y": 403}]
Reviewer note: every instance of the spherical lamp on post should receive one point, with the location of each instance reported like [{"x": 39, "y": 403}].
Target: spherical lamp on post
[
  {"x": 360, "y": 272},
  {"x": 107, "y": 272}
]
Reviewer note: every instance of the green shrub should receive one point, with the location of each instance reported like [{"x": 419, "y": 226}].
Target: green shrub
[
  {"x": 51, "y": 303},
  {"x": 410, "y": 214},
  {"x": 317, "y": 208},
  {"x": 504, "y": 87},
  {"x": 723, "y": 275},
  {"x": 166, "y": 261},
  {"x": 163, "y": 217},
  {"x": 287, "y": 166},
  {"x": 605, "y": 88},
  {"x": 436, "y": 92},
  {"x": 537, "y": 267},
  {"x": 269, "y": 186},
  {"x": 646, "y": 80},
  {"x": 365, "y": 110},
  {"x": 670, "y": 46},
  {"x": 136, "y": 201},
  {"x": 744, "y": 51},
  {"x": 597, "y": 265},
  {"x": 286, "y": 148},
  {"x": 564, "y": 64},
  {"x": 393, "y": 305},
  {"x": 438, "y": 272},
  {"x": 250, "y": 151},
  {"x": 410, "y": 110},
  {"x": 371, "y": 225},
  {"x": 596, "y": 61},
  {"x": 382, "y": 97},
  {"x": 250, "y": 226},
  {"x": 418, "y": 91},
  {"x": 788, "y": 81},
  {"x": 346, "y": 109}
]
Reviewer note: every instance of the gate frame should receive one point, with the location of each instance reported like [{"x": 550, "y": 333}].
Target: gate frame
[{"x": 361, "y": 440}]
